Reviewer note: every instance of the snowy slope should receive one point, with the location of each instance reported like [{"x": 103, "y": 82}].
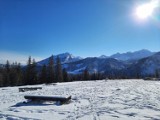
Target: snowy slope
[
  {"x": 94, "y": 64},
  {"x": 91, "y": 100},
  {"x": 148, "y": 65}
]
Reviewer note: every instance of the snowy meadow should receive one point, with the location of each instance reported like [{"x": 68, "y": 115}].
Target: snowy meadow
[{"x": 91, "y": 100}]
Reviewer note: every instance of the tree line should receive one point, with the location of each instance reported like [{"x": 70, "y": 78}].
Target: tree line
[{"x": 15, "y": 74}]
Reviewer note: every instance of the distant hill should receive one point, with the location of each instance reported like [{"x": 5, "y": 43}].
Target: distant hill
[
  {"x": 133, "y": 55},
  {"x": 146, "y": 66},
  {"x": 94, "y": 65}
]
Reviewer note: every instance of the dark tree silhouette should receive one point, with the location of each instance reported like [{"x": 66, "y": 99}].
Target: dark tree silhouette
[
  {"x": 50, "y": 71},
  {"x": 6, "y": 81},
  {"x": 65, "y": 76},
  {"x": 31, "y": 73},
  {"x": 86, "y": 75},
  {"x": 59, "y": 76},
  {"x": 43, "y": 74},
  {"x": 34, "y": 76}
]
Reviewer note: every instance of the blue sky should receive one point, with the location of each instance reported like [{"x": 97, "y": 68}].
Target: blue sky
[{"x": 82, "y": 27}]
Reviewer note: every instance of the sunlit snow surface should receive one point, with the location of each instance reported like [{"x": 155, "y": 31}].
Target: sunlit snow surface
[{"x": 91, "y": 100}]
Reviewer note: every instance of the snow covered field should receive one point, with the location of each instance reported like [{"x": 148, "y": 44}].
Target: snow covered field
[{"x": 91, "y": 100}]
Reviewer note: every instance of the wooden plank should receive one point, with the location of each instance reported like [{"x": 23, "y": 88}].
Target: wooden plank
[
  {"x": 29, "y": 89},
  {"x": 48, "y": 98}
]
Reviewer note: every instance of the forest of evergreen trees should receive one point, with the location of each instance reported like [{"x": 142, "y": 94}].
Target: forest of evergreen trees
[{"x": 16, "y": 75}]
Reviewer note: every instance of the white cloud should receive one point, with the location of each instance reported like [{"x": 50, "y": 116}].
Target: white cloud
[{"x": 15, "y": 57}]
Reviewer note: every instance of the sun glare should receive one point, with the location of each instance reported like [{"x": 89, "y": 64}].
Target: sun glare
[{"x": 144, "y": 11}]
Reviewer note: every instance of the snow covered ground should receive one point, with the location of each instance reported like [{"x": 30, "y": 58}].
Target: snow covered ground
[{"x": 91, "y": 100}]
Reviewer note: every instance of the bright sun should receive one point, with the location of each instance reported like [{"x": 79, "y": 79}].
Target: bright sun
[{"x": 144, "y": 11}]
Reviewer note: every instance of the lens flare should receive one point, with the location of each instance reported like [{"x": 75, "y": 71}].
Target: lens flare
[
  {"x": 157, "y": 20},
  {"x": 146, "y": 10},
  {"x": 156, "y": 16}
]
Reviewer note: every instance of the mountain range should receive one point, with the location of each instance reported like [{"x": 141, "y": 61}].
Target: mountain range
[
  {"x": 132, "y": 55},
  {"x": 146, "y": 66},
  {"x": 129, "y": 56},
  {"x": 64, "y": 57},
  {"x": 143, "y": 61}
]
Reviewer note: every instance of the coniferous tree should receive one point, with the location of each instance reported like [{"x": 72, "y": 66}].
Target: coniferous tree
[
  {"x": 43, "y": 74},
  {"x": 86, "y": 75},
  {"x": 1, "y": 77},
  {"x": 94, "y": 76},
  {"x": 157, "y": 73},
  {"x": 28, "y": 73},
  {"x": 50, "y": 71},
  {"x": 65, "y": 75},
  {"x": 59, "y": 76},
  {"x": 19, "y": 75},
  {"x": 7, "y": 74},
  {"x": 34, "y": 76},
  {"x": 13, "y": 75},
  {"x": 10, "y": 76},
  {"x": 7, "y": 66},
  {"x": 31, "y": 73}
]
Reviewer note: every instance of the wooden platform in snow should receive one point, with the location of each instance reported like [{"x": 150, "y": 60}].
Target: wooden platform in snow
[
  {"x": 62, "y": 100},
  {"x": 29, "y": 89}
]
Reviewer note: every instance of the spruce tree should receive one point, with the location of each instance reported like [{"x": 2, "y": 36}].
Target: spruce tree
[
  {"x": 19, "y": 74},
  {"x": 94, "y": 76},
  {"x": 50, "y": 71},
  {"x": 65, "y": 75},
  {"x": 31, "y": 73},
  {"x": 28, "y": 72},
  {"x": 59, "y": 76},
  {"x": 34, "y": 72},
  {"x": 13, "y": 75},
  {"x": 1, "y": 77},
  {"x": 86, "y": 75},
  {"x": 7, "y": 74},
  {"x": 157, "y": 73},
  {"x": 43, "y": 75}
]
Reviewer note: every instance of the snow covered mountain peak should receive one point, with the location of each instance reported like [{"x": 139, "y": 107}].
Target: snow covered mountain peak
[
  {"x": 66, "y": 54},
  {"x": 103, "y": 56},
  {"x": 64, "y": 57}
]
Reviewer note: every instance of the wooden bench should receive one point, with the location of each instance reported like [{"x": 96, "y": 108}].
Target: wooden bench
[
  {"x": 50, "y": 84},
  {"x": 29, "y": 89},
  {"x": 61, "y": 100}
]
